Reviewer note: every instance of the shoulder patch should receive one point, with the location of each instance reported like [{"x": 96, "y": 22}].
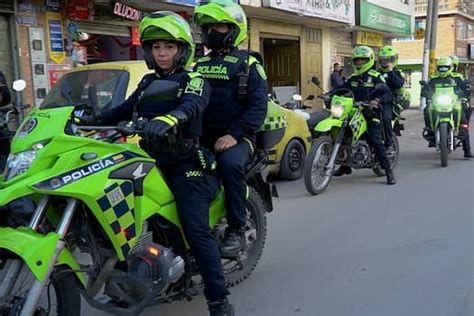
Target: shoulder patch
[
  {"x": 261, "y": 71},
  {"x": 251, "y": 60},
  {"x": 194, "y": 74},
  {"x": 195, "y": 86}
]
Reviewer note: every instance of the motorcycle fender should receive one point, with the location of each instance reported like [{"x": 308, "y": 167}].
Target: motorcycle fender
[
  {"x": 447, "y": 120},
  {"x": 37, "y": 250},
  {"x": 327, "y": 124}
]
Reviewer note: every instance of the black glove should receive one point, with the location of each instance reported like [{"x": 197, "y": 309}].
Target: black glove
[
  {"x": 161, "y": 125},
  {"x": 85, "y": 120}
]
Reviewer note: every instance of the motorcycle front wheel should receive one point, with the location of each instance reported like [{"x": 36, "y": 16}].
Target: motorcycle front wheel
[
  {"x": 60, "y": 295},
  {"x": 443, "y": 143},
  {"x": 316, "y": 175}
]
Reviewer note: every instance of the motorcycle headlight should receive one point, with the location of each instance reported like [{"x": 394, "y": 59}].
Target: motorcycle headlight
[
  {"x": 19, "y": 163},
  {"x": 444, "y": 99},
  {"x": 337, "y": 111}
]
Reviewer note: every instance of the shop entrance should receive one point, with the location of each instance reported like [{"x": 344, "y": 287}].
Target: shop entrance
[
  {"x": 97, "y": 43},
  {"x": 6, "y": 64},
  {"x": 282, "y": 63}
]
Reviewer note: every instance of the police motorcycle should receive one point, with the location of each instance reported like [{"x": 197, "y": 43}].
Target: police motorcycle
[
  {"x": 445, "y": 112},
  {"x": 9, "y": 121},
  {"x": 340, "y": 139},
  {"x": 103, "y": 222}
]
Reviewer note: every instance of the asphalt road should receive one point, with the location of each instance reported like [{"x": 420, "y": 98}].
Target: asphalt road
[{"x": 365, "y": 248}]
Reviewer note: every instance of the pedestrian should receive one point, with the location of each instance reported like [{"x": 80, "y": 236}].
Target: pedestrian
[{"x": 336, "y": 77}]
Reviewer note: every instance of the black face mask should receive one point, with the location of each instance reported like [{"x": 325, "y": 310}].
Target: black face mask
[{"x": 215, "y": 40}]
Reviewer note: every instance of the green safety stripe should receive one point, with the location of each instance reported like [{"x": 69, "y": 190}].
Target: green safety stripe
[
  {"x": 216, "y": 76},
  {"x": 204, "y": 59},
  {"x": 168, "y": 119},
  {"x": 251, "y": 60}
]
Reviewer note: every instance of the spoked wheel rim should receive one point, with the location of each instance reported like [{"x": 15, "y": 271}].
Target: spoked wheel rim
[
  {"x": 11, "y": 305},
  {"x": 251, "y": 237},
  {"x": 319, "y": 172}
]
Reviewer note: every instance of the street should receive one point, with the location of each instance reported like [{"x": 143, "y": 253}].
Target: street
[{"x": 365, "y": 248}]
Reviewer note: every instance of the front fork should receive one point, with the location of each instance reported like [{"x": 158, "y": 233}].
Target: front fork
[
  {"x": 335, "y": 150},
  {"x": 14, "y": 268}
]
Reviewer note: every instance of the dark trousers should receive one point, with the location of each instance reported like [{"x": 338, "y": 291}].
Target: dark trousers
[
  {"x": 231, "y": 165},
  {"x": 194, "y": 191},
  {"x": 387, "y": 123},
  {"x": 374, "y": 129},
  {"x": 466, "y": 118}
]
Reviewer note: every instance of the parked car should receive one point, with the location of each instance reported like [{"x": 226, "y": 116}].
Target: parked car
[
  {"x": 115, "y": 81},
  {"x": 289, "y": 155}
]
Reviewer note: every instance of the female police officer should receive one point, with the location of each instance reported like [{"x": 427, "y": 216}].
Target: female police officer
[{"x": 168, "y": 49}]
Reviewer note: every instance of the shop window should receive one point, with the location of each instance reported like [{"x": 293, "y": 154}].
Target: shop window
[{"x": 462, "y": 30}]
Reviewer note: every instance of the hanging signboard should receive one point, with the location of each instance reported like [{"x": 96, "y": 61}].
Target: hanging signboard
[
  {"x": 341, "y": 11},
  {"x": 55, "y": 36}
]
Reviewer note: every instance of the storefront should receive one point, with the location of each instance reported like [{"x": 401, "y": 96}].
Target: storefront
[
  {"x": 7, "y": 36},
  {"x": 106, "y": 32},
  {"x": 293, "y": 37}
]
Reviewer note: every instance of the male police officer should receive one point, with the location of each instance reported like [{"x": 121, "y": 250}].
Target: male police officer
[
  {"x": 168, "y": 49},
  {"x": 362, "y": 83},
  {"x": 237, "y": 107},
  {"x": 388, "y": 59},
  {"x": 444, "y": 77}
]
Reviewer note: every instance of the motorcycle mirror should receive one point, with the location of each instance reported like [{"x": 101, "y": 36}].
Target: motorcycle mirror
[
  {"x": 310, "y": 97},
  {"x": 19, "y": 85},
  {"x": 423, "y": 82},
  {"x": 297, "y": 97},
  {"x": 316, "y": 80},
  {"x": 162, "y": 90}
]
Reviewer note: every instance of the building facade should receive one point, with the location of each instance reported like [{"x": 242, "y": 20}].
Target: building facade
[{"x": 455, "y": 36}]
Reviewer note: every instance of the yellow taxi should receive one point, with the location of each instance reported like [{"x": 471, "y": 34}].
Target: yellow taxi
[
  {"x": 115, "y": 81},
  {"x": 288, "y": 157}
]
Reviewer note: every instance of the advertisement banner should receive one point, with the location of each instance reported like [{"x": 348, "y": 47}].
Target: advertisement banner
[
  {"x": 55, "y": 37},
  {"x": 383, "y": 19},
  {"x": 340, "y": 11}
]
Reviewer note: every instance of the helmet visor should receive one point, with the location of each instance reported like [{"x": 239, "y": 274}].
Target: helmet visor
[
  {"x": 443, "y": 68},
  {"x": 359, "y": 62}
]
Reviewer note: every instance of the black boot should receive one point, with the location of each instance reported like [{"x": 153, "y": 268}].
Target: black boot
[
  {"x": 390, "y": 177},
  {"x": 468, "y": 154},
  {"x": 342, "y": 171},
  {"x": 221, "y": 308},
  {"x": 429, "y": 135},
  {"x": 232, "y": 243}
]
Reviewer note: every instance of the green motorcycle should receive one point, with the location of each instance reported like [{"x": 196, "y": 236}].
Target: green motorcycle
[
  {"x": 445, "y": 118},
  {"x": 340, "y": 139},
  {"x": 103, "y": 221}
]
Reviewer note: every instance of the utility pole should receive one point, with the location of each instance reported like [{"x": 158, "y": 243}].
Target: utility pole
[{"x": 429, "y": 51}]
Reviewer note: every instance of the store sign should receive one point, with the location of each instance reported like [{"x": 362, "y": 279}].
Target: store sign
[
  {"x": 56, "y": 72},
  {"x": 55, "y": 34},
  {"x": 135, "y": 37},
  {"x": 127, "y": 12},
  {"x": 336, "y": 10},
  {"x": 369, "y": 39},
  {"x": 383, "y": 19}
]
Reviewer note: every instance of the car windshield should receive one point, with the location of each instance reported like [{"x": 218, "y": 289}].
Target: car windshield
[{"x": 74, "y": 88}]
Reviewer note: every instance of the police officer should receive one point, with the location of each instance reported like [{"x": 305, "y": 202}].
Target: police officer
[
  {"x": 237, "y": 107},
  {"x": 467, "y": 109},
  {"x": 168, "y": 49},
  {"x": 388, "y": 59},
  {"x": 362, "y": 83},
  {"x": 445, "y": 77},
  {"x": 5, "y": 97}
]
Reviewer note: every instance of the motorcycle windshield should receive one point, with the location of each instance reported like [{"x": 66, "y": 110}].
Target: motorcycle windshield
[
  {"x": 74, "y": 88},
  {"x": 444, "y": 99}
]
